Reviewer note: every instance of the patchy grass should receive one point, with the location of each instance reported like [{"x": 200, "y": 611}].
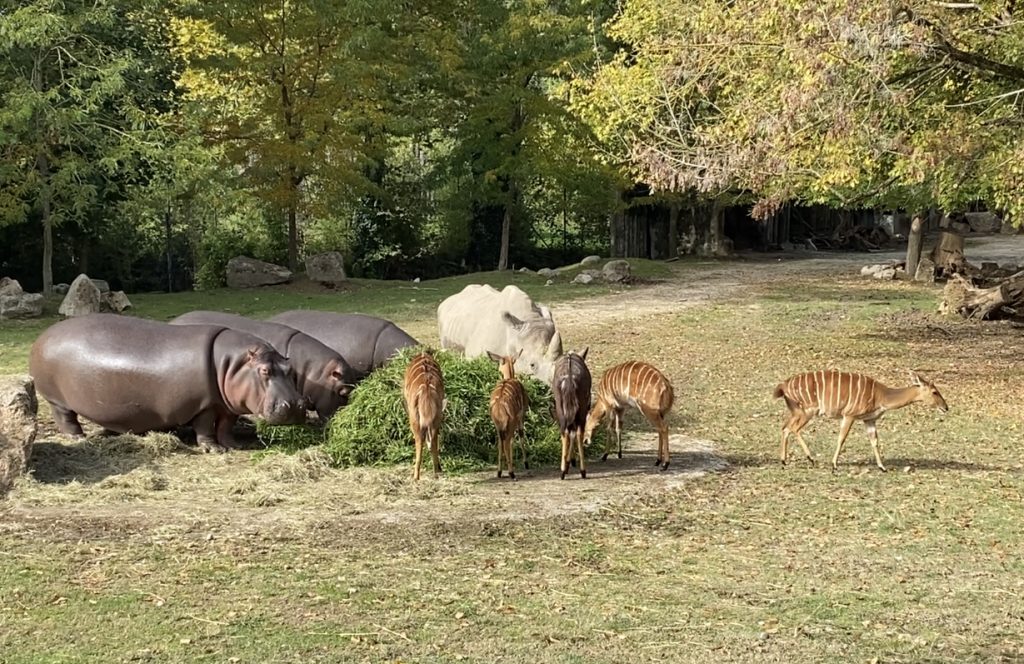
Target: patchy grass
[{"x": 283, "y": 558}]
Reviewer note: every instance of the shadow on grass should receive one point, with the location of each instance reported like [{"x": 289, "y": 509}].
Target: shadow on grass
[
  {"x": 894, "y": 464},
  {"x": 93, "y": 459}
]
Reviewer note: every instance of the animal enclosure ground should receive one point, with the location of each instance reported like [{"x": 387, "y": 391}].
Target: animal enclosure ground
[{"x": 133, "y": 549}]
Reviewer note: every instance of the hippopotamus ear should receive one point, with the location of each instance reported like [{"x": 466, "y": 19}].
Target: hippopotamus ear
[{"x": 252, "y": 354}]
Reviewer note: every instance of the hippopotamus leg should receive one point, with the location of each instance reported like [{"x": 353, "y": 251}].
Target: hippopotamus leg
[
  {"x": 225, "y": 425},
  {"x": 67, "y": 421},
  {"x": 206, "y": 426}
]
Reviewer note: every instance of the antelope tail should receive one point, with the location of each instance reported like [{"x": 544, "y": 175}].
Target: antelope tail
[{"x": 779, "y": 392}]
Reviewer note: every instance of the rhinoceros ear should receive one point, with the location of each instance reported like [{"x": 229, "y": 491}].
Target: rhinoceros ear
[
  {"x": 514, "y": 322},
  {"x": 583, "y": 353},
  {"x": 494, "y": 357}
]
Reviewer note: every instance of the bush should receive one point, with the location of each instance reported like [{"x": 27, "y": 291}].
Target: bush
[{"x": 374, "y": 428}]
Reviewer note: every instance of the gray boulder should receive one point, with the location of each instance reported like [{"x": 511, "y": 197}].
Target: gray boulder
[
  {"x": 115, "y": 302},
  {"x": 61, "y": 289},
  {"x": 326, "y": 268},
  {"x": 18, "y": 408},
  {"x": 83, "y": 298},
  {"x": 616, "y": 272},
  {"x": 547, "y": 272},
  {"x": 10, "y": 286},
  {"x": 584, "y": 278},
  {"x": 25, "y": 305},
  {"x": 245, "y": 272},
  {"x": 590, "y": 260},
  {"x": 102, "y": 285},
  {"x": 984, "y": 222}
]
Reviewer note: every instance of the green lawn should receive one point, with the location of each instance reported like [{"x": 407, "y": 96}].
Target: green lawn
[{"x": 136, "y": 552}]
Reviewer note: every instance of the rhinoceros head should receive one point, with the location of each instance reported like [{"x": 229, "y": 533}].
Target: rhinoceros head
[{"x": 538, "y": 344}]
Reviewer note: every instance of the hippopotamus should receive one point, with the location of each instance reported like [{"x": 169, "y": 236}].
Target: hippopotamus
[
  {"x": 364, "y": 341},
  {"x": 323, "y": 376},
  {"x": 134, "y": 375}
]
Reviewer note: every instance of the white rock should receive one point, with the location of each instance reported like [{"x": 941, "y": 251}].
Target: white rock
[
  {"x": 245, "y": 272},
  {"x": 83, "y": 298},
  {"x": 616, "y": 271},
  {"x": 18, "y": 407}
]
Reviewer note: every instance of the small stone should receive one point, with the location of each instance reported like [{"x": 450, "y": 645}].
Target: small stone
[
  {"x": 548, "y": 282},
  {"x": 583, "y": 278}
]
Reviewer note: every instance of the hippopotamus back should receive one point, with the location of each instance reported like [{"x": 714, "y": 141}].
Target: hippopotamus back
[
  {"x": 129, "y": 374},
  {"x": 364, "y": 341},
  {"x": 323, "y": 376}
]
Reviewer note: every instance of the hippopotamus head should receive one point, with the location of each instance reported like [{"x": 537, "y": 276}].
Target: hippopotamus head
[
  {"x": 263, "y": 383},
  {"x": 335, "y": 385}
]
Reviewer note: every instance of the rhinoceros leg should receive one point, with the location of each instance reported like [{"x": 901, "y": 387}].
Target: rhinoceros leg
[
  {"x": 67, "y": 421},
  {"x": 206, "y": 425}
]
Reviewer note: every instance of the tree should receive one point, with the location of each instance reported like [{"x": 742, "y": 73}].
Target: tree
[
  {"x": 76, "y": 110},
  {"x": 846, "y": 104},
  {"x": 511, "y": 125}
]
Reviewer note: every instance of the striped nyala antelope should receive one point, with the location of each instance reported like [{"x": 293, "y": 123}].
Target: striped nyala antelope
[
  {"x": 423, "y": 392},
  {"x": 850, "y": 396},
  {"x": 508, "y": 410},
  {"x": 571, "y": 387},
  {"x": 633, "y": 384}
]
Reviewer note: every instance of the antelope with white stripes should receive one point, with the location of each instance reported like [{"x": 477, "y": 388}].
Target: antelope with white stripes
[
  {"x": 423, "y": 392},
  {"x": 852, "y": 397},
  {"x": 508, "y": 409},
  {"x": 635, "y": 384}
]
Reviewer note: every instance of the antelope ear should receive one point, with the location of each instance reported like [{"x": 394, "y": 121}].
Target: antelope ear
[{"x": 916, "y": 379}]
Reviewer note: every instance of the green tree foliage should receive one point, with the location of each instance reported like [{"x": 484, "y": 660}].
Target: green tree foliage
[
  {"x": 79, "y": 96},
  {"x": 843, "y": 103}
]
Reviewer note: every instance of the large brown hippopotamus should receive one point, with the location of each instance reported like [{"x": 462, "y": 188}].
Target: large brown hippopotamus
[
  {"x": 321, "y": 374},
  {"x": 129, "y": 374},
  {"x": 364, "y": 341}
]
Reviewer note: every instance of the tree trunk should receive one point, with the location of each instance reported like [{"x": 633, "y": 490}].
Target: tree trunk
[
  {"x": 914, "y": 245},
  {"x": 293, "y": 236},
  {"x": 506, "y": 228},
  {"x": 43, "y": 163},
  {"x": 673, "y": 230},
  {"x": 960, "y": 297},
  {"x": 167, "y": 243},
  {"x": 948, "y": 254}
]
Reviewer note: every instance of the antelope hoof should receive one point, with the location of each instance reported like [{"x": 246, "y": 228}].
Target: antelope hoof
[
  {"x": 563, "y": 474},
  {"x": 499, "y": 474},
  {"x": 583, "y": 474},
  {"x": 883, "y": 469},
  {"x": 664, "y": 466},
  {"x": 620, "y": 455},
  {"x": 812, "y": 461},
  {"x": 512, "y": 476},
  {"x": 605, "y": 457},
  {"x": 657, "y": 462},
  {"x": 835, "y": 469}
]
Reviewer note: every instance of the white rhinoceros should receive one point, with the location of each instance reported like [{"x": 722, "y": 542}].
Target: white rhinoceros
[{"x": 480, "y": 319}]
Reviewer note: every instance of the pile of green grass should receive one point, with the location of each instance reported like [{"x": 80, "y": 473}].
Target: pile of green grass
[{"x": 374, "y": 428}]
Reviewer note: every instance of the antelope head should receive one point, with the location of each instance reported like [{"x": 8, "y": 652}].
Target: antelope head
[{"x": 927, "y": 393}]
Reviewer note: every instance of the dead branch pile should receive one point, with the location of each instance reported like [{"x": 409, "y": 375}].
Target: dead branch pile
[{"x": 985, "y": 297}]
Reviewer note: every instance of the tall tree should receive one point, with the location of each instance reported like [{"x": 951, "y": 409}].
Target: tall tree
[
  {"x": 827, "y": 102},
  {"x": 75, "y": 112}
]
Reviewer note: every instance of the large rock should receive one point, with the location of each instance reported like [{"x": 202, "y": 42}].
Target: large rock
[
  {"x": 615, "y": 272},
  {"x": 327, "y": 268},
  {"x": 547, "y": 272},
  {"x": 245, "y": 272},
  {"x": 18, "y": 409},
  {"x": 102, "y": 285},
  {"x": 116, "y": 302},
  {"x": 61, "y": 289},
  {"x": 586, "y": 277},
  {"x": 984, "y": 222},
  {"x": 590, "y": 260},
  {"x": 83, "y": 298},
  {"x": 26, "y": 305},
  {"x": 10, "y": 286}
]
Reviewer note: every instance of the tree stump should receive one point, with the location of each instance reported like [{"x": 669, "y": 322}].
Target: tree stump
[
  {"x": 948, "y": 254},
  {"x": 963, "y": 298}
]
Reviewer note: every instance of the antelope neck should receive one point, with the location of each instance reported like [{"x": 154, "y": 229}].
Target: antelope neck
[{"x": 898, "y": 397}]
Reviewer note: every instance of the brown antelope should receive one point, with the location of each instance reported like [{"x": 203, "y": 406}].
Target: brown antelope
[
  {"x": 424, "y": 402},
  {"x": 638, "y": 384},
  {"x": 849, "y": 396},
  {"x": 508, "y": 408},
  {"x": 571, "y": 387}
]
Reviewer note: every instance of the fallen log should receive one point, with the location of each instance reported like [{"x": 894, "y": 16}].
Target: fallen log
[{"x": 963, "y": 298}]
